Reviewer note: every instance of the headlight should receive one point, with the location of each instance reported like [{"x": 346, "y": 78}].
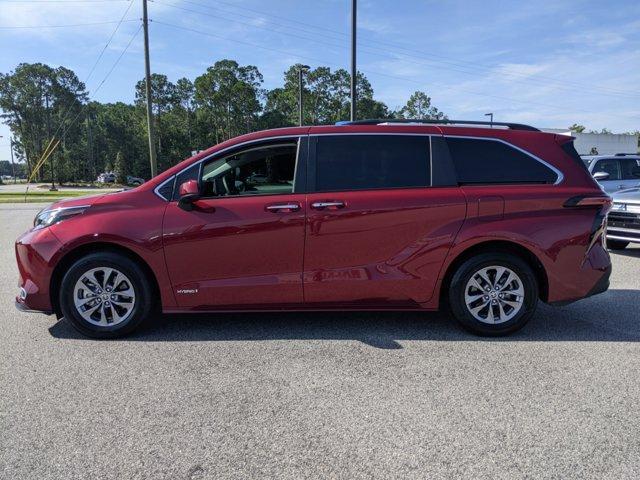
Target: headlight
[
  {"x": 48, "y": 217},
  {"x": 620, "y": 207}
]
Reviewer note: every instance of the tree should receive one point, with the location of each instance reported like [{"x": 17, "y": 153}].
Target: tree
[
  {"x": 576, "y": 127},
  {"x": 120, "y": 169},
  {"x": 228, "y": 99},
  {"x": 38, "y": 102},
  {"x": 419, "y": 107}
]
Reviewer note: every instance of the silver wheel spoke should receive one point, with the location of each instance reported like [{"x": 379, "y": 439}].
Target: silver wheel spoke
[
  {"x": 494, "y": 301},
  {"x": 104, "y": 296}
]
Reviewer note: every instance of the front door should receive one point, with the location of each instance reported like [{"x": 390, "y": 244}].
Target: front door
[
  {"x": 242, "y": 244},
  {"x": 377, "y": 231}
]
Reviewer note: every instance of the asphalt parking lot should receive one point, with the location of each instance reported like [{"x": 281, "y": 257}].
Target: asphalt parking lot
[{"x": 322, "y": 395}]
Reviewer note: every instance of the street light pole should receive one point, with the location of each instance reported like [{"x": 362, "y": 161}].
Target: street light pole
[
  {"x": 147, "y": 71},
  {"x": 301, "y": 69},
  {"x": 354, "y": 8},
  {"x": 490, "y": 115}
]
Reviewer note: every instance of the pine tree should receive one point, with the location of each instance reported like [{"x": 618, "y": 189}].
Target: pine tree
[{"x": 119, "y": 168}]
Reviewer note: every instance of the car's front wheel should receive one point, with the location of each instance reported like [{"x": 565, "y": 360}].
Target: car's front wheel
[
  {"x": 105, "y": 295},
  {"x": 493, "y": 294}
]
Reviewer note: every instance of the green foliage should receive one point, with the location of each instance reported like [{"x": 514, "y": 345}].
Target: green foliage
[
  {"x": 120, "y": 169},
  {"x": 227, "y": 100},
  {"x": 419, "y": 107},
  {"x": 576, "y": 127}
]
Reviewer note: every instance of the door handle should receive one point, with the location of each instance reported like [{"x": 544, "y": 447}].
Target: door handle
[
  {"x": 329, "y": 205},
  {"x": 283, "y": 207}
]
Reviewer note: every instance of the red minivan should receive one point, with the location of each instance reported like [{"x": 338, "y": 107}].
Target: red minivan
[{"x": 368, "y": 215}]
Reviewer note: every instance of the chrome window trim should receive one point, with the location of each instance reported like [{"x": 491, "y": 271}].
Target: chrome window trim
[
  {"x": 230, "y": 147},
  {"x": 157, "y": 192},
  {"x": 559, "y": 174}
]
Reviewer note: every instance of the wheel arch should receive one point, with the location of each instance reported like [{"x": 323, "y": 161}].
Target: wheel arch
[
  {"x": 80, "y": 251},
  {"x": 497, "y": 246}
]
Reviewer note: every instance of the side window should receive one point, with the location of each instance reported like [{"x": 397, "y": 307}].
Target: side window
[
  {"x": 630, "y": 168},
  {"x": 190, "y": 173},
  {"x": 610, "y": 166},
  {"x": 492, "y": 162},
  {"x": 363, "y": 162},
  {"x": 263, "y": 170}
]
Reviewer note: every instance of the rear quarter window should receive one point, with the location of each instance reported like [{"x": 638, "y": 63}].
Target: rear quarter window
[{"x": 479, "y": 161}]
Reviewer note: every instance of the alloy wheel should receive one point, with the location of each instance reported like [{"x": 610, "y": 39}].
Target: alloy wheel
[
  {"x": 104, "y": 296},
  {"x": 494, "y": 294}
]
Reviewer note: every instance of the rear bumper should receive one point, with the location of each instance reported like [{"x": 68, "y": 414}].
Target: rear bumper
[{"x": 601, "y": 285}]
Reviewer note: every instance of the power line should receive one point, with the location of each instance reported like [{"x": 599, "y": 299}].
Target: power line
[
  {"x": 67, "y": 25},
  {"x": 370, "y": 72},
  {"x": 62, "y": 1},
  {"x": 68, "y": 109},
  {"x": 461, "y": 66},
  {"x": 113, "y": 34}
]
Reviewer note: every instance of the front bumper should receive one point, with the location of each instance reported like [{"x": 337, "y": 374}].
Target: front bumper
[
  {"x": 624, "y": 226},
  {"x": 36, "y": 254}
]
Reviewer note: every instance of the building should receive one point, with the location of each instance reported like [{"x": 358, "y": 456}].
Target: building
[{"x": 600, "y": 143}]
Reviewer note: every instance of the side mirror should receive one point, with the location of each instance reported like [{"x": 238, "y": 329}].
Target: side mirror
[
  {"x": 600, "y": 176},
  {"x": 189, "y": 193}
]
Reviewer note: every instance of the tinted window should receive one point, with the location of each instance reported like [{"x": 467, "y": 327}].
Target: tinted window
[
  {"x": 266, "y": 170},
  {"x": 491, "y": 162},
  {"x": 630, "y": 168},
  {"x": 360, "y": 162},
  {"x": 190, "y": 173},
  {"x": 166, "y": 190},
  {"x": 610, "y": 166}
]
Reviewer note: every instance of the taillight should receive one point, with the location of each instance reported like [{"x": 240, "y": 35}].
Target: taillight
[
  {"x": 602, "y": 204},
  {"x": 590, "y": 201}
]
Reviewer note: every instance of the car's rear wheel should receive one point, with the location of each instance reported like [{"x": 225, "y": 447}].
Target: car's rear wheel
[
  {"x": 105, "y": 295},
  {"x": 616, "y": 244},
  {"x": 493, "y": 294}
]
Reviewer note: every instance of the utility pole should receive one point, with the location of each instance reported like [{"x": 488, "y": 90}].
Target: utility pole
[
  {"x": 147, "y": 68},
  {"x": 354, "y": 8},
  {"x": 13, "y": 165},
  {"x": 301, "y": 69}
]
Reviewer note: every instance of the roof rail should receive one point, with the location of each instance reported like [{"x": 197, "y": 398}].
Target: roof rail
[
  {"x": 512, "y": 126},
  {"x": 625, "y": 154}
]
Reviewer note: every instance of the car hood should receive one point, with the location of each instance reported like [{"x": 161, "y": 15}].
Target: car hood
[
  {"x": 76, "y": 201},
  {"x": 630, "y": 195}
]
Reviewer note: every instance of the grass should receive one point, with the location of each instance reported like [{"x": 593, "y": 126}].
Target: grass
[{"x": 35, "y": 196}]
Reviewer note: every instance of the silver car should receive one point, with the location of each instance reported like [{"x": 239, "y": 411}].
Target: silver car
[
  {"x": 623, "y": 224},
  {"x": 614, "y": 172}
]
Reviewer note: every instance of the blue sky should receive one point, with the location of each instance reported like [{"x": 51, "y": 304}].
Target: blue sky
[{"x": 546, "y": 62}]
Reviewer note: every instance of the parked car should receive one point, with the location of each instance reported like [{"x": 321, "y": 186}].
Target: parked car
[
  {"x": 623, "y": 226},
  {"x": 614, "y": 172},
  {"x": 134, "y": 181},
  {"x": 376, "y": 215},
  {"x": 107, "y": 177}
]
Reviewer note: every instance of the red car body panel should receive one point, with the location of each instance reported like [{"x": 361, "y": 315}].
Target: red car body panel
[
  {"x": 233, "y": 252},
  {"x": 386, "y": 249}
]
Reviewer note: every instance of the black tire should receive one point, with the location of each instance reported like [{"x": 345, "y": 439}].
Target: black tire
[
  {"x": 463, "y": 275},
  {"x": 142, "y": 307},
  {"x": 616, "y": 244}
]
